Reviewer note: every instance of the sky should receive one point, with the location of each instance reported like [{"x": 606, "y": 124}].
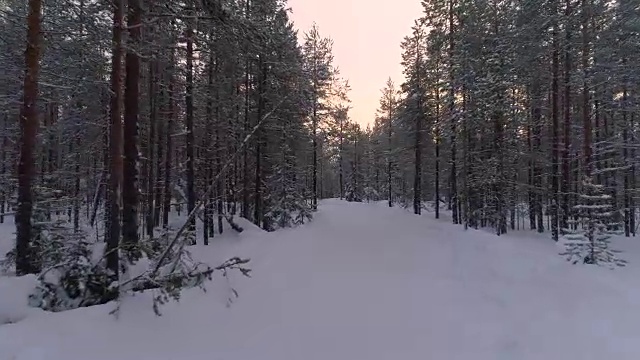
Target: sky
[{"x": 366, "y": 38}]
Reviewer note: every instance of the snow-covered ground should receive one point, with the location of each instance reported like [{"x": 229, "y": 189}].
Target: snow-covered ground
[{"x": 363, "y": 281}]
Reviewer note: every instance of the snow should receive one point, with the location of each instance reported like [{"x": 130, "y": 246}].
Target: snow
[
  {"x": 363, "y": 281},
  {"x": 14, "y": 292}
]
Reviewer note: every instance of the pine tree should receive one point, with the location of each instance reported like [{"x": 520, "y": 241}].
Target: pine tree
[{"x": 319, "y": 69}]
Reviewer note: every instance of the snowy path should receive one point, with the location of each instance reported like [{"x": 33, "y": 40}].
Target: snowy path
[{"x": 365, "y": 282}]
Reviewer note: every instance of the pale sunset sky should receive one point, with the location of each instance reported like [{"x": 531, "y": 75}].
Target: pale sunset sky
[{"x": 366, "y": 38}]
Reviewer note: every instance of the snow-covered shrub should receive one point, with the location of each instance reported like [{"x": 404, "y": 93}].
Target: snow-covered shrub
[
  {"x": 371, "y": 194},
  {"x": 353, "y": 193},
  {"x": 69, "y": 275},
  {"x": 76, "y": 280},
  {"x": 48, "y": 231},
  {"x": 285, "y": 201},
  {"x": 290, "y": 210}
]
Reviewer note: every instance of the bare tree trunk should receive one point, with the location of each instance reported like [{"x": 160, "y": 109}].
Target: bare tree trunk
[
  {"x": 208, "y": 158},
  {"x": 537, "y": 168},
  {"x": 314, "y": 125},
  {"x": 555, "y": 142},
  {"x": 586, "y": 117},
  {"x": 76, "y": 188},
  {"x": 258, "y": 205},
  {"x": 130, "y": 198},
  {"x": 530, "y": 176},
  {"x": 454, "y": 180},
  {"x": 112, "y": 232},
  {"x": 566, "y": 166},
  {"x": 632, "y": 176},
  {"x": 218, "y": 155},
  {"x": 341, "y": 155},
  {"x": 389, "y": 166},
  {"x": 245, "y": 151},
  {"x": 25, "y": 258},
  {"x": 3, "y": 165},
  {"x": 625, "y": 159},
  {"x": 159, "y": 140},
  {"x": 466, "y": 214},
  {"x": 437, "y": 149},
  {"x": 151, "y": 143},
  {"x": 169, "y": 144},
  {"x": 191, "y": 194},
  {"x": 235, "y": 177},
  {"x": 417, "y": 176}
]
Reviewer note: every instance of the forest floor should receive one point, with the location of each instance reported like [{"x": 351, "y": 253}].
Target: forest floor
[{"x": 361, "y": 281}]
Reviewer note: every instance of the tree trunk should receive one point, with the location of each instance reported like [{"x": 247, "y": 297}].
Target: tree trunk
[
  {"x": 453, "y": 179},
  {"x": 159, "y": 140},
  {"x": 130, "y": 198},
  {"x": 208, "y": 158},
  {"x": 566, "y": 166},
  {"x": 389, "y": 167},
  {"x": 530, "y": 173},
  {"x": 555, "y": 142},
  {"x": 169, "y": 144},
  {"x": 245, "y": 150},
  {"x": 537, "y": 168},
  {"x": 417, "y": 177},
  {"x": 3, "y": 166},
  {"x": 191, "y": 193},
  {"x": 112, "y": 232},
  {"x": 586, "y": 117},
  {"x": 341, "y": 157},
  {"x": 151, "y": 144},
  {"x": 219, "y": 187},
  {"x": 258, "y": 206},
  {"x": 437, "y": 149},
  {"x": 25, "y": 257},
  {"x": 625, "y": 158},
  {"x": 314, "y": 125}
]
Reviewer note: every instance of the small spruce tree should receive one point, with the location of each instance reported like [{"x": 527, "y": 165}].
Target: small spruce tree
[{"x": 590, "y": 243}]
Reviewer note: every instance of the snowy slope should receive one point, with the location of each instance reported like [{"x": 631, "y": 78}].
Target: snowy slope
[{"x": 363, "y": 281}]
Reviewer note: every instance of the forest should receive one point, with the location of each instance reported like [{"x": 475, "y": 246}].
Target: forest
[{"x": 119, "y": 117}]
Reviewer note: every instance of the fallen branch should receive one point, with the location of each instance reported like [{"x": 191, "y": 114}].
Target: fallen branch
[
  {"x": 206, "y": 195},
  {"x": 180, "y": 280}
]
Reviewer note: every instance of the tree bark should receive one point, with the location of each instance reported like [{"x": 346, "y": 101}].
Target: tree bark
[
  {"x": 130, "y": 198},
  {"x": 566, "y": 165},
  {"x": 3, "y": 165},
  {"x": 169, "y": 143},
  {"x": 191, "y": 194},
  {"x": 453, "y": 179},
  {"x": 555, "y": 142},
  {"x": 437, "y": 150},
  {"x": 151, "y": 144},
  {"x": 25, "y": 260},
  {"x": 389, "y": 149},
  {"x": 417, "y": 178},
  {"x": 112, "y": 232}
]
